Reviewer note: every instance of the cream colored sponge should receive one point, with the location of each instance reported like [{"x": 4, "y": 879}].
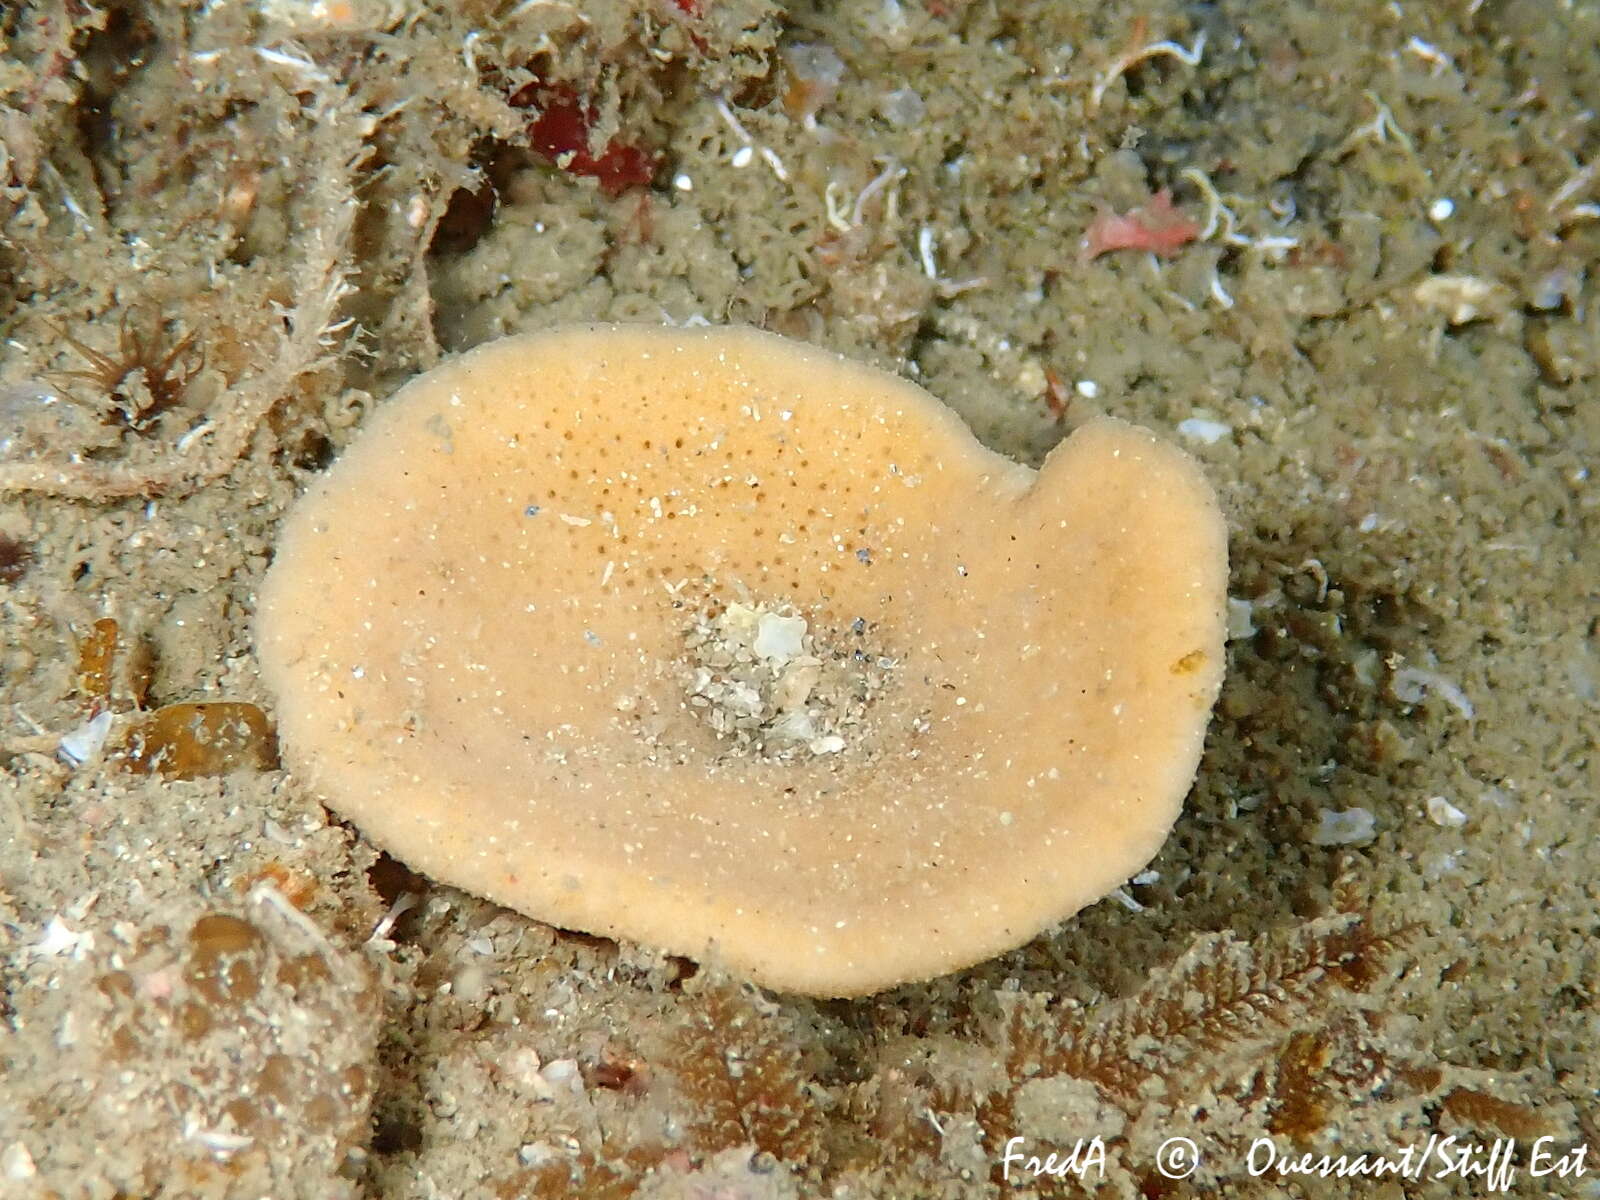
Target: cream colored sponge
[{"x": 719, "y": 642}]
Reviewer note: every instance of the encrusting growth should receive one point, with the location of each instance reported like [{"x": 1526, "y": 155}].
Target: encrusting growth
[
  {"x": 305, "y": 344},
  {"x": 724, "y": 644}
]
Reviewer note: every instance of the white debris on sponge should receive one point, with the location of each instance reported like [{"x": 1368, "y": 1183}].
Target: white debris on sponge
[
  {"x": 755, "y": 675},
  {"x": 1349, "y": 827},
  {"x": 779, "y": 637},
  {"x": 1442, "y": 812}
]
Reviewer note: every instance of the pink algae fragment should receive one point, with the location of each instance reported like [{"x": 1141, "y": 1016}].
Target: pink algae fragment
[{"x": 1155, "y": 226}]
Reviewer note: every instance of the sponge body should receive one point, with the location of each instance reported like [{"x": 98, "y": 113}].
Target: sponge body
[{"x": 479, "y": 622}]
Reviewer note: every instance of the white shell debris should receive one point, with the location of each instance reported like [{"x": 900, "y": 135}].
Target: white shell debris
[
  {"x": 563, "y": 1075},
  {"x": 336, "y": 16},
  {"x": 903, "y": 108},
  {"x": 521, "y": 1066},
  {"x": 85, "y": 742},
  {"x": 16, "y": 1162},
  {"x": 61, "y": 939},
  {"x": 537, "y": 1154},
  {"x": 1122, "y": 897},
  {"x": 1561, "y": 285},
  {"x": 738, "y": 623},
  {"x": 761, "y": 682},
  {"x": 1204, "y": 430},
  {"x": 1442, "y": 812},
  {"x": 1349, "y": 827},
  {"x": 1411, "y": 685},
  {"x": 1241, "y": 619},
  {"x": 779, "y": 637},
  {"x": 220, "y": 1142},
  {"x": 403, "y": 904},
  {"x": 1463, "y": 298},
  {"x": 795, "y": 685}
]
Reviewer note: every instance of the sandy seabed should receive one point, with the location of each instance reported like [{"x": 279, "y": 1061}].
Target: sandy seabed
[{"x": 227, "y": 233}]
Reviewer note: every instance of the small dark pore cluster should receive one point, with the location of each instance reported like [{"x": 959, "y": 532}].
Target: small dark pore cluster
[{"x": 15, "y": 559}]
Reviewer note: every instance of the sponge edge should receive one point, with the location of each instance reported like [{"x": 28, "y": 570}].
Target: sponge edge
[{"x": 501, "y": 635}]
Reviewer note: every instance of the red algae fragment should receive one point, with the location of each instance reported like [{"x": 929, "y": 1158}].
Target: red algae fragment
[
  {"x": 1155, "y": 226},
  {"x": 561, "y": 133}
]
